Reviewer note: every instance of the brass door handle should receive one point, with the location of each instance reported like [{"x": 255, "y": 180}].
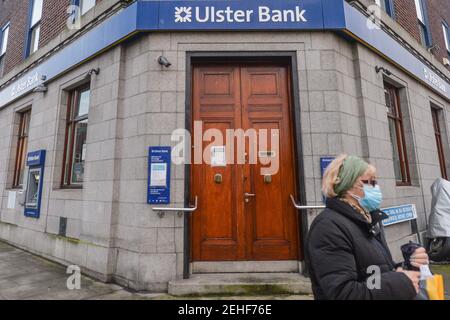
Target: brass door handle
[{"x": 247, "y": 196}]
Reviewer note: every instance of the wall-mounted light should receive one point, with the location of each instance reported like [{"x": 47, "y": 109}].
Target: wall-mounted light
[
  {"x": 91, "y": 72},
  {"x": 164, "y": 61},
  {"x": 41, "y": 87},
  {"x": 385, "y": 71}
]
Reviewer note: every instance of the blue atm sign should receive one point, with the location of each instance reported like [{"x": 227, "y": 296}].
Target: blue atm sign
[
  {"x": 159, "y": 160},
  {"x": 400, "y": 214}
]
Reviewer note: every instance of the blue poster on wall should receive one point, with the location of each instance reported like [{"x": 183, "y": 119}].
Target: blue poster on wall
[
  {"x": 324, "y": 163},
  {"x": 159, "y": 159}
]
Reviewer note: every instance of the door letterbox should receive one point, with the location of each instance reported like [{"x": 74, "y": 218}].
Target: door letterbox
[{"x": 33, "y": 196}]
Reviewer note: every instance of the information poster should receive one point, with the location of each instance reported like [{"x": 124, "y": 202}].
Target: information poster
[{"x": 159, "y": 175}]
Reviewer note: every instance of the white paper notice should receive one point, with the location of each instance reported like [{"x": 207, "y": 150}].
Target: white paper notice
[
  {"x": 158, "y": 175},
  {"x": 218, "y": 158},
  {"x": 12, "y": 200}
]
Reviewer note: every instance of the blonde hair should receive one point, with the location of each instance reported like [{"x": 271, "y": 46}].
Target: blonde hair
[{"x": 331, "y": 176}]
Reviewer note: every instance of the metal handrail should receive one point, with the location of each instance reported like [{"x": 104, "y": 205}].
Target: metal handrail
[
  {"x": 300, "y": 207},
  {"x": 162, "y": 210}
]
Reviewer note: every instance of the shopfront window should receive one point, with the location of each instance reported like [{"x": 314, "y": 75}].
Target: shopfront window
[
  {"x": 397, "y": 135},
  {"x": 436, "y": 113},
  {"x": 76, "y": 133},
  {"x": 21, "y": 154}
]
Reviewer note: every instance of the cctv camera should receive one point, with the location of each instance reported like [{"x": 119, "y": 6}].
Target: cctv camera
[{"x": 164, "y": 62}]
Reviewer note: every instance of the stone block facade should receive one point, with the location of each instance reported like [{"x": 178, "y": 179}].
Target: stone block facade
[{"x": 112, "y": 233}]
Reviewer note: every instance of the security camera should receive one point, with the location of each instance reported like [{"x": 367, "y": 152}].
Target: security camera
[{"x": 164, "y": 62}]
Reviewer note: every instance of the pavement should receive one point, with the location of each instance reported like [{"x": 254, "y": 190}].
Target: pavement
[{"x": 25, "y": 276}]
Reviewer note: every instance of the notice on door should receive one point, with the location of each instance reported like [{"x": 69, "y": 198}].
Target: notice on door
[
  {"x": 218, "y": 156},
  {"x": 159, "y": 175}
]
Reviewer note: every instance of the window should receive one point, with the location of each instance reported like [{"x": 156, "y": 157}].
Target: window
[
  {"x": 423, "y": 23},
  {"x": 386, "y": 5},
  {"x": 35, "y": 26},
  {"x": 446, "y": 37},
  {"x": 397, "y": 135},
  {"x": 86, "y": 5},
  {"x": 4, "y": 34},
  {"x": 21, "y": 154},
  {"x": 435, "y": 113},
  {"x": 76, "y": 132}
]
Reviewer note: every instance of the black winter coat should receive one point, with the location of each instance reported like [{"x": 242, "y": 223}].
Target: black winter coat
[{"x": 341, "y": 245}]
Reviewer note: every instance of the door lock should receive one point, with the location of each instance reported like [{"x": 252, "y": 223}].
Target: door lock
[{"x": 218, "y": 178}]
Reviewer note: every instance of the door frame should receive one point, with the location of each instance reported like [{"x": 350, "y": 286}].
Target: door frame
[{"x": 290, "y": 58}]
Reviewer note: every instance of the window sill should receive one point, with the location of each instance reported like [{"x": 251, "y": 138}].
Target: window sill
[
  {"x": 15, "y": 189},
  {"x": 411, "y": 185},
  {"x": 62, "y": 188}
]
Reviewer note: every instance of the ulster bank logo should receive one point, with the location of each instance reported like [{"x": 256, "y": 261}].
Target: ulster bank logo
[
  {"x": 183, "y": 14},
  {"x": 261, "y": 14}
]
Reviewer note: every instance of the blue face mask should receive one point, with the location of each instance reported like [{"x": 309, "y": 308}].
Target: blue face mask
[{"x": 372, "y": 198}]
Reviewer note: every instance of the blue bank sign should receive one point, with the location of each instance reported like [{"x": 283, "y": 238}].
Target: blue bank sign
[
  {"x": 237, "y": 15},
  {"x": 218, "y": 15},
  {"x": 400, "y": 214}
]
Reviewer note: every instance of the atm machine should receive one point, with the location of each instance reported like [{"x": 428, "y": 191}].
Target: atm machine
[{"x": 33, "y": 195}]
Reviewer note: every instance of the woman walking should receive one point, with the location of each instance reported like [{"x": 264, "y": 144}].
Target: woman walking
[{"x": 346, "y": 247}]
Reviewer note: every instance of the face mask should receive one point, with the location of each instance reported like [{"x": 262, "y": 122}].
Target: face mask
[{"x": 372, "y": 198}]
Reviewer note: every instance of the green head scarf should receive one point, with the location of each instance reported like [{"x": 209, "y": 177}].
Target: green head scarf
[{"x": 351, "y": 169}]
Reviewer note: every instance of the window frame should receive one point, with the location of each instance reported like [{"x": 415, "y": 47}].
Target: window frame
[
  {"x": 22, "y": 148},
  {"x": 435, "y": 116},
  {"x": 446, "y": 32},
  {"x": 400, "y": 136},
  {"x": 79, "y": 3},
  {"x": 387, "y": 6},
  {"x": 3, "y": 55},
  {"x": 69, "y": 140},
  {"x": 32, "y": 27},
  {"x": 423, "y": 23}
]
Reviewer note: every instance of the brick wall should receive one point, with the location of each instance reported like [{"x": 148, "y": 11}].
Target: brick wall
[
  {"x": 438, "y": 11},
  {"x": 406, "y": 16},
  {"x": 54, "y": 18},
  {"x": 16, "y": 12}
]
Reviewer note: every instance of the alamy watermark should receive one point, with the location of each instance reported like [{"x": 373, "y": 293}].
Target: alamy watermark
[
  {"x": 74, "y": 280},
  {"x": 227, "y": 147},
  {"x": 374, "y": 280},
  {"x": 73, "y": 21}
]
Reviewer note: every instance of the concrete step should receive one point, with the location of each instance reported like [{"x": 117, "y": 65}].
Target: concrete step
[{"x": 241, "y": 284}]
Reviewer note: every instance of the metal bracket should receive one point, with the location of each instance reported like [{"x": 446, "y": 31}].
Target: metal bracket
[{"x": 161, "y": 211}]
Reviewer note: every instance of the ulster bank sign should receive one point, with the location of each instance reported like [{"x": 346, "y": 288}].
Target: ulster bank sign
[
  {"x": 210, "y": 14},
  {"x": 245, "y": 15}
]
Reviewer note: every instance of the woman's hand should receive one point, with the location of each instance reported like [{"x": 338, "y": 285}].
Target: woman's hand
[
  {"x": 419, "y": 258},
  {"x": 414, "y": 276}
]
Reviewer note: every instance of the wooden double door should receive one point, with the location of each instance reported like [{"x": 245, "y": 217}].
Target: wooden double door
[{"x": 244, "y": 212}]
